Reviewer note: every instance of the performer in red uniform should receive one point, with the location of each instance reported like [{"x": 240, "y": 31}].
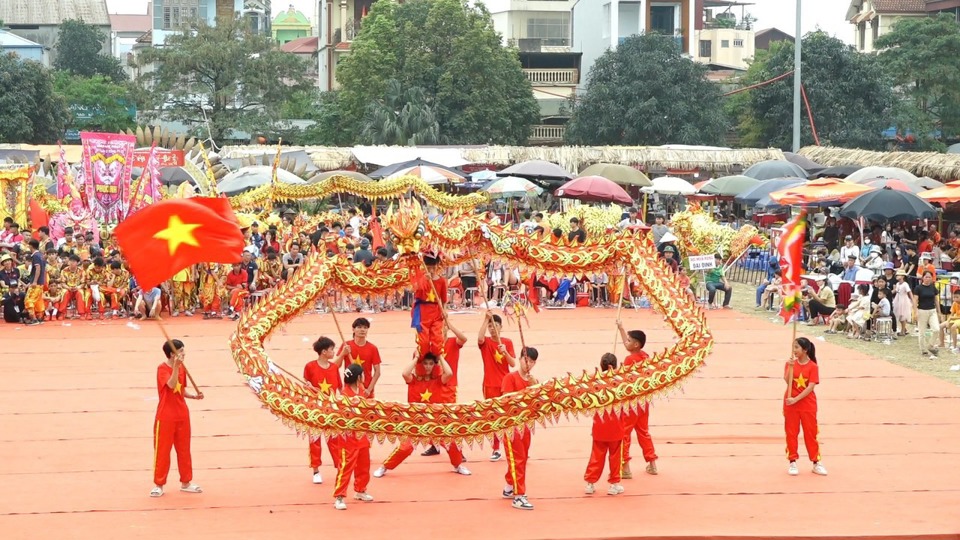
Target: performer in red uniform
[
  {"x": 238, "y": 289},
  {"x": 451, "y": 353},
  {"x": 171, "y": 427},
  {"x": 430, "y": 295},
  {"x": 354, "y": 450},
  {"x": 607, "y": 443},
  {"x": 518, "y": 446},
  {"x": 498, "y": 357},
  {"x": 424, "y": 388},
  {"x": 323, "y": 374},
  {"x": 800, "y": 404},
  {"x": 639, "y": 421},
  {"x": 364, "y": 354}
]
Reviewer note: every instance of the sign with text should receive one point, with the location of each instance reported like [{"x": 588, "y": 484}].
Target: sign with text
[
  {"x": 702, "y": 262},
  {"x": 165, "y": 158}
]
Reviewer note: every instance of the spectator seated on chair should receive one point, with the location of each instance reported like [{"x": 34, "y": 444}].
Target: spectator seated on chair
[
  {"x": 767, "y": 289},
  {"x": 716, "y": 281},
  {"x": 952, "y": 323},
  {"x": 821, "y": 303},
  {"x": 881, "y": 309},
  {"x": 859, "y": 311}
]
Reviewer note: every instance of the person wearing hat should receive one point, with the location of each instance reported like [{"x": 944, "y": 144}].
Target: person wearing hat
[
  {"x": 670, "y": 257},
  {"x": 659, "y": 229},
  {"x": 850, "y": 269},
  {"x": 849, "y": 248},
  {"x": 873, "y": 261},
  {"x": 12, "y": 237},
  {"x": 13, "y": 307},
  {"x": 364, "y": 255},
  {"x": 8, "y": 272},
  {"x": 926, "y": 265}
]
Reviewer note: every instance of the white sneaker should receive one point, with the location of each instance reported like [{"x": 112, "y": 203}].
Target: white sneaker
[
  {"x": 317, "y": 479},
  {"x": 340, "y": 504},
  {"x": 792, "y": 470},
  {"x": 496, "y": 455},
  {"x": 615, "y": 489},
  {"x": 819, "y": 469},
  {"x": 590, "y": 489},
  {"x": 461, "y": 469},
  {"x": 381, "y": 470},
  {"x": 521, "y": 503},
  {"x": 363, "y": 496}
]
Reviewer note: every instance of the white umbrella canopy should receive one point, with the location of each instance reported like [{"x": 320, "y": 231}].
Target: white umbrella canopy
[
  {"x": 252, "y": 177},
  {"x": 430, "y": 175},
  {"x": 874, "y": 173},
  {"x": 512, "y": 186},
  {"x": 670, "y": 185}
]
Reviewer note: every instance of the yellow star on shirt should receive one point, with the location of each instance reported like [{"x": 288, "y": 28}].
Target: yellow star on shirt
[
  {"x": 425, "y": 396},
  {"x": 800, "y": 381},
  {"x": 178, "y": 389},
  {"x": 431, "y": 297},
  {"x": 358, "y": 360},
  {"x": 325, "y": 387},
  {"x": 178, "y": 232},
  {"x": 498, "y": 357}
]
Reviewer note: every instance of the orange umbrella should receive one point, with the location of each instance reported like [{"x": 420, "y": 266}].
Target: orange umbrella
[
  {"x": 949, "y": 193},
  {"x": 820, "y": 192}
]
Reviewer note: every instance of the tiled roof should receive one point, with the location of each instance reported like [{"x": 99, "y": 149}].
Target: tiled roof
[
  {"x": 900, "y": 6},
  {"x": 53, "y": 12},
  {"x": 131, "y": 23},
  {"x": 304, "y": 45},
  {"x": 12, "y": 40}
]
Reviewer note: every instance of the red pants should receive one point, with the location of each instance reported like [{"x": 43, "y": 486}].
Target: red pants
[
  {"x": 236, "y": 299},
  {"x": 430, "y": 338},
  {"x": 638, "y": 422},
  {"x": 613, "y": 451},
  {"x": 169, "y": 434},
  {"x": 517, "y": 447},
  {"x": 792, "y": 422},
  {"x": 315, "y": 452},
  {"x": 111, "y": 297},
  {"x": 77, "y": 298},
  {"x": 354, "y": 462},
  {"x": 403, "y": 451},
  {"x": 490, "y": 392}
]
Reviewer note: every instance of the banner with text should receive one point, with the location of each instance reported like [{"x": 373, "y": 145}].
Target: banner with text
[{"x": 107, "y": 166}]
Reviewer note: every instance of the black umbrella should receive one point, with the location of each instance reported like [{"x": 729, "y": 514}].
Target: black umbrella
[
  {"x": 384, "y": 172},
  {"x": 809, "y": 165},
  {"x": 888, "y": 204},
  {"x": 761, "y": 190},
  {"x": 767, "y": 170},
  {"x": 842, "y": 171}
]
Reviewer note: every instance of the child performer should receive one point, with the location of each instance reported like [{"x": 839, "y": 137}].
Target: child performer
[
  {"x": 451, "y": 353},
  {"x": 518, "y": 446},
  {"x": 430, "y": 294},
  {"x": 74, "y": 282},
  {"x": 498, "y": 357},
  {"x": 53, "y": 299},
  {"x": 171, "y": 428},
  {"x": 424, "y": 389},
  {"x": 323, "y": 374},
  {"x": 802, "y": 375},
  {"x": 364, "y": 354},
  {"x": 639, "y": 421},
  {"x": 354, "y": 459},
  {"x": 607, "y": 443}
]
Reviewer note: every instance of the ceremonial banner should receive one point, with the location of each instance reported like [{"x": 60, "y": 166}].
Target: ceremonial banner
[
  {"x": 165, "y": 158},
  {"x": 63, "y": 169},
  {"x": 107, "y": 164},
  {"x": 790, "y": 249},
  {"x": 146, "y": 189}
]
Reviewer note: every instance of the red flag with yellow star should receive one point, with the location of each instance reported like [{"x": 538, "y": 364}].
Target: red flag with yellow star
[
  {"x": 790, "y": 249},
  {"x": 168, "y": 236}
]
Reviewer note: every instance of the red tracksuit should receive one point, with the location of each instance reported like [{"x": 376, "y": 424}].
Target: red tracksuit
[
  {"x": 423, "y": 391},
  {"x": 607, "y": 444},
  {"x": 638, "y": 421},
  {"x": 802, "y": 413},
  {"x": 327, "y": 380},
  {"x": 518, "y": 446},
  {"x": 171, "y": 427},
  {"x": 354, "y": 457},
  {"x": 495, "y": 369},
  {"x": 430, "y": 336}
]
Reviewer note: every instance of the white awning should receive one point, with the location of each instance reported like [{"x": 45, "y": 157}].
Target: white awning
[{"x": 388, "y": 155}]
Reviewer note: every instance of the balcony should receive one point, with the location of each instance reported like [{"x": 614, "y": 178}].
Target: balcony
[
  {"x": 553, "y": 77},
  {"x": 544, "y": 134}
]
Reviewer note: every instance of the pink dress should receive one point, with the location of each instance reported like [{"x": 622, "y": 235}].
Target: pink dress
[{"x": 902, "y": 302}]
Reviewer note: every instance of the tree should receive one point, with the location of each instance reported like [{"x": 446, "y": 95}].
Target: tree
[
  {"x": 449, "y": 49},
  {"x": 95, "y": 103},
  {"x": 920, "y": 55},
  {"x": 850, "y": 97},
  {"x": 645, "y": 92},
  {"x": 221, "y": 78},
  {"x": 78, "y": 52},
  {"x": 402, "y": 118},
  {"x": 30, "y": 110}
]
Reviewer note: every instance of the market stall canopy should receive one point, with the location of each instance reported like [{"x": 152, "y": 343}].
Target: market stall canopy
[
  {"x": 670, "y": 185},
  {"x": 949, "y": 193},
  {"x": 820, "y": 192},
  {"x": 729, "y": 186},
  {"x": 753, "y": 195},
  {"x": 389, "y": 170},
  {"x": 594, "y": 189},
  {"x": 620, "y": 174},
  {"x": 768, "y": 170},
  {"x": 329, "y": 174},
  {"x": 388, "y": 155},
  {"x": 252, "y": 177},
  {"x": 512, "y": 186},
  {"x": 537, "y": 170},
  {"x": 867, "y": 174},
  {"x": 884, "y": 205}
]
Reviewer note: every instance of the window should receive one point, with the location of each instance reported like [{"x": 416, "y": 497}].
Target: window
[
  {"x": 176, "y": 13},
  {"x": 551, "y": 28},
  {"x": 738, "y": 43},
  {"x": 706, "y": 48},
  {"x": 724, "y": 43}
]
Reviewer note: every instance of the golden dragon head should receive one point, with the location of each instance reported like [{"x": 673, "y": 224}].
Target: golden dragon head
[{"x": 406, "y": 225}]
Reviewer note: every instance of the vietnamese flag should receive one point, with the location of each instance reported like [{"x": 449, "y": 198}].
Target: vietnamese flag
[
  {"x": 790, "y": 249},
  {"x": 168, "y": 236}
]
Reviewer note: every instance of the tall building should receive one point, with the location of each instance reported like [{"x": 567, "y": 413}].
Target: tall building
[
  {"x": 257, "y": 15},
  {"x": 170, "y": 15},
  {"x": 874, "y": 18},
  {"x": 339, "y": 23}
]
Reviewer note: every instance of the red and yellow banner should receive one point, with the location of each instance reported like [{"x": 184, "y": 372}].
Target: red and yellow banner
[
  {"x": 790, "y": 250},
  {"x": 107, "y": 166}
]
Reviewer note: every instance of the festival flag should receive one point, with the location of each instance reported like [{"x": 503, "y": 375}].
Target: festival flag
[
  {"x": 790, "y": 250},
  {"x": 63, "y": 189},
  {"x": 171, "y": 235},
  {"x": 107, "y": 163},
  {"x": 145, "y": 190}
]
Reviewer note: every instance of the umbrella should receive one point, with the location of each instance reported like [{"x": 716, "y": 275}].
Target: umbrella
[
  {"x": 753, "y": 195},
  {"x": 766, "y": 170},
  {"x": 700, "y": 185},
  {"x": 512, "y": 186},
  {"x": 895, "y": 185},
  {"x": 807, "y": 164},
  {"x": 928, "y": 183},
  {"x": 430, "y": 174},
  {"x": 842, "y": 171},
  {"x": 949, "y": 193},
  {"x": 820, "y": 192},
  {"x": 888, "y": 205},
  {"x": 482, "y": 176},
  {"x": 620, "y": 174},
  {"x": 954, "y": 149},
  {"x": 252, "y": 177},
  {"x": 384, "y": 172},
  {"x": 595, "y": 189},
  {"x": 730, "y": 185},
  {"x": 670, "y": 185},
  {"x": 174, "y": 176},
  {"x": 354, "y": 175},
  {"x": 536, "y": 170},
  {"x": 867, "y": 174}
]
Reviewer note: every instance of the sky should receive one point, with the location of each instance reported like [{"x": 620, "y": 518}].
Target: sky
[{"x": 828, "y": 15}]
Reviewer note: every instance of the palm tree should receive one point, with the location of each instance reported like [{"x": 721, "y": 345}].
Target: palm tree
[{"x": 404, "y": 117}]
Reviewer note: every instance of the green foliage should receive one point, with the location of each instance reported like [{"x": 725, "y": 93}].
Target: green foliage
[
  {"x": 449, "y": 49},
  {"x": 78, "y": 52},
  {"x": 850, "y": 96},
  {"x": 30, "y": 110},
  {"x": 402, "y": 118},
  {"x": 646, "y": 93},
  {"x": 221, "y": 79},
  {"x": 95, "y": 103},
  {"x": 920, "y": 56}
]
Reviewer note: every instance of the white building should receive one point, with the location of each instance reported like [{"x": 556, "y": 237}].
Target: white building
[
  {"x": 874, "y": 18},
  {"x": 723, "y": 38},
  {"x": 170, "y": 15}
]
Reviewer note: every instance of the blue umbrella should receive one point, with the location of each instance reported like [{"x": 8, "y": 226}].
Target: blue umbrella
[
  {"x": 484, "y": 175},
  {"x": 753, "y": 195}
]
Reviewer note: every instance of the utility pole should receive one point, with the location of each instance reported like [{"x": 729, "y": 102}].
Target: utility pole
[{"x": 797, "y": 80}]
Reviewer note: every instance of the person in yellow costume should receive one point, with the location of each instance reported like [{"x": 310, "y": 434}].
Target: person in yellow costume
[{"x": 184, "y": 282}]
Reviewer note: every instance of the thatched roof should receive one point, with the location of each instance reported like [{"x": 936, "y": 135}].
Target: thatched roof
[
  {"x": 943, "y": 167},
  {"x": 571, "y": 158}
]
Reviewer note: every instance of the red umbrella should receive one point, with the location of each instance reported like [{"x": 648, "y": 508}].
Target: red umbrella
[{"x": 593, "y": 189}]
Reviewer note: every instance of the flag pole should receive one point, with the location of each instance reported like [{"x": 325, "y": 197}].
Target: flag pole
[
  {"x": 623, "y": 289},
  {"x": 336, "y": 321},
  {"x": 166, "y": 336}
]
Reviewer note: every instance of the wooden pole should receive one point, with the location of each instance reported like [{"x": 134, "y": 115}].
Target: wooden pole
[
  {"x": 173, "y": 348},
  {"x": 790, "y": 369},
  {"x": 623, "y": 289},
  {"x": 336, "y": 321}
]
